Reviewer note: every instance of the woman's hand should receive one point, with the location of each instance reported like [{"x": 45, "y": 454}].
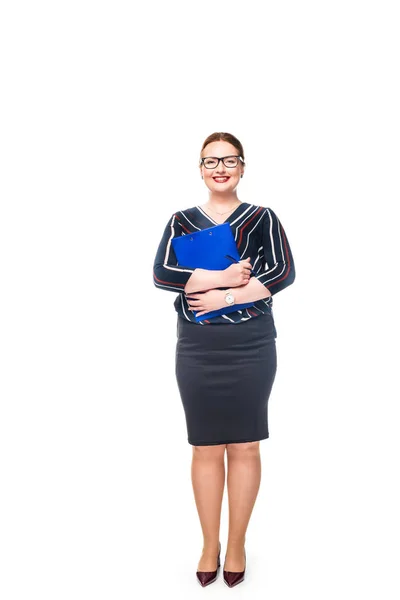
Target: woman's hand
[
  {"x": 206, "y": 302},
  {"x": 237, "y": 274}
]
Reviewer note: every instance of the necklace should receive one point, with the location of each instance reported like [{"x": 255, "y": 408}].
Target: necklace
[{"x": 224, "y": 213}]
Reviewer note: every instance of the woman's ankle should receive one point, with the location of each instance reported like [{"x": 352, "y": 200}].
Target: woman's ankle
[
  {"x": 211, "y": 544},
  {"x": 237, "y": 542}
]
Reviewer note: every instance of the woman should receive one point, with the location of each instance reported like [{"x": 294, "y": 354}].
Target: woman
[{"x": 226, "y": 365}]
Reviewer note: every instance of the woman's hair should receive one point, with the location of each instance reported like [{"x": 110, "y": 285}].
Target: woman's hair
[{"x": 221, "y": 136}]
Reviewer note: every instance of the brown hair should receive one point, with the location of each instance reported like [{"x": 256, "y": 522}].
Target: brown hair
[{"x": 221, "y": 136}]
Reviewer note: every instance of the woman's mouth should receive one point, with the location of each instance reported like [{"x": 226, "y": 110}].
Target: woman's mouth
[{"x": 221, "y": 179}]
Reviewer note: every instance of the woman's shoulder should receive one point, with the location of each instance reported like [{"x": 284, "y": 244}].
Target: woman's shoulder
[
  {"x": 261, "y": 210},
  {"x": 267, "y": 210},
  {"x": 264, "y": 207}
]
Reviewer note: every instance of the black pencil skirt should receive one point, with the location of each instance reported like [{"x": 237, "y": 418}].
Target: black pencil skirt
[{"x": 225, "y": 374}]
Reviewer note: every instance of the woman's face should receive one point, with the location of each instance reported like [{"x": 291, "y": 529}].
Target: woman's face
[{"x": 212, "y": 176}]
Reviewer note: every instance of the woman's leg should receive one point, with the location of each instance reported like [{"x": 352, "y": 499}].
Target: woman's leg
[
  {"x": 244, "y": 476},
  {"x": 208, "y": 479}
]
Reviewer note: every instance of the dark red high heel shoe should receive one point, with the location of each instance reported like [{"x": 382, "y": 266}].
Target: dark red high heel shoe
[
  {"x": 232, "y": 578},
  {"x": 207, "y": 577}
]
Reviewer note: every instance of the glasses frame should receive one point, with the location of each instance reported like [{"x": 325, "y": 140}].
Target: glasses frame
[{"x": 219, "y": 159}]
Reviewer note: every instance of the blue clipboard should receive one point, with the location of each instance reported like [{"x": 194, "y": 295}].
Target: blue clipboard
[{"x": 206, "y": 249}]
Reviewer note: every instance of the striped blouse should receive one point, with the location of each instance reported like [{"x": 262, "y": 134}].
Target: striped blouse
[{"x": 258, "y": 233}]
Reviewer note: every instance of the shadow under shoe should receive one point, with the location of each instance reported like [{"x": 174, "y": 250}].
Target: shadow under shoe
[
  {"x": 207, "y": 577},
  {"x": 232, "y": 578}
]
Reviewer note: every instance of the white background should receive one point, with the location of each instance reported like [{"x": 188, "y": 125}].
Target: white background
[{"x": 104, "y": 108}]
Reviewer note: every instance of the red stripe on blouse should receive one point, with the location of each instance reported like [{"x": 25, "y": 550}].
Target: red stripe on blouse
[
  {"x": 182, "y": 285},
  {"x": 247, "y": 224}
]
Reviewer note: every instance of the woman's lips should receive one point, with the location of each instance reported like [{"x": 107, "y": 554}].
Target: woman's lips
[{"x": 221, "y": 179}]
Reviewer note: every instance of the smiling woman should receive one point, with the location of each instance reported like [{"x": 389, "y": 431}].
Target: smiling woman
[{"x": 225, "y": 365}]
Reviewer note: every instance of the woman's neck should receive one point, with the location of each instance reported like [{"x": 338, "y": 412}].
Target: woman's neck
[{"x": 223, "y": 202}]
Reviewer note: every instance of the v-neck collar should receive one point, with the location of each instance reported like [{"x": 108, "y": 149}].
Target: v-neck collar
[{"x": 231, "y": 216}]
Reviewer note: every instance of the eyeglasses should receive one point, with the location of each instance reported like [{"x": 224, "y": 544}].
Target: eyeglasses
[{"x": 210, "y": 162}]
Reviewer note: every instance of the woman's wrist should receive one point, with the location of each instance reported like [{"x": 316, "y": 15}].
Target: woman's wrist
[
  {"x": 252, "y": 291},
  {"x": 226, "y": 295}
]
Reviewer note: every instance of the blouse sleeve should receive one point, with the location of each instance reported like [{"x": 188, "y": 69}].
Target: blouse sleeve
[
  {"x": 279, "y": 270},
  {"x": 167, "y": 275}
]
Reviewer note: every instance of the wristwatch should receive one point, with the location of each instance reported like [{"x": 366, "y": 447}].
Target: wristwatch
[{"x": 229, "y": 298}]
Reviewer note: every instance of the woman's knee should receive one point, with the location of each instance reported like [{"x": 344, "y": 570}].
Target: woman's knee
[
  {"x": 243, "y": 449},
  {"x": 209, "y": 452}
]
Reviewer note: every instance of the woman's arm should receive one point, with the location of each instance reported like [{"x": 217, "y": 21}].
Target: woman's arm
[
  {"x": 168, "y": 275},
  {"x": 203, "y": 280},
  {"x": 250, "y": 292},
  {"x": 279, "y": 271}
]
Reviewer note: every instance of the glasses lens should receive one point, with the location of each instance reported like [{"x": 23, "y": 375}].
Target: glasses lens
[
  {"x": 230, "y": 161},
  {"x": 210, "y": 163}
]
